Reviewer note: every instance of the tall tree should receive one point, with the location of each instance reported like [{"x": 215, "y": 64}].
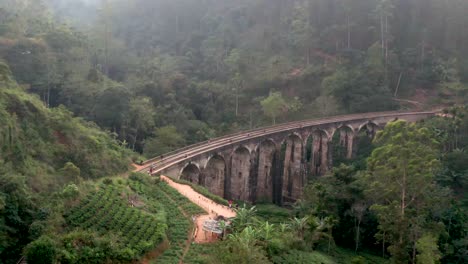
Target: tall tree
[
  {"x": 274, "y": 105},
  {"x": 400, "y": 180}
]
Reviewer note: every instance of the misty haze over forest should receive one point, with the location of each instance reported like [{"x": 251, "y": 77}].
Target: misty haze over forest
[{"x": 91, "y": 89}]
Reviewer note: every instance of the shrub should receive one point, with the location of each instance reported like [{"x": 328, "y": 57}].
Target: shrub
[
  {"x": 138, "y": 176},
  {"x": 41, "y": 251},
  {"x": 36, "y": 229},
  {"x": 107, "y": 181},
  {"x": 71, "y": 172},
  {"x": 71, "y": 191},
  {"x": 358, "y": 260}
]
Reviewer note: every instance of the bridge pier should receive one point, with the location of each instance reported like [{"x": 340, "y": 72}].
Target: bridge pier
[
  {"x": 347, "y": 137},
  {"x": 214, "y": 175},
  {"x": 240, "y": 174},
  {"x": 271, "y": 166},
  {"x": 253, "y": 177},
  {"x": 264, "y": 168},
  {"x": 320, "y": 153},
  {"x": 277, "y": 176},
  {"x": 292, "y": 175}
]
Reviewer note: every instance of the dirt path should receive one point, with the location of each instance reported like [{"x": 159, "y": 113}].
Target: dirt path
[
  {"x": 137, "y": 167},
  {"x": 208, "y": 205}
]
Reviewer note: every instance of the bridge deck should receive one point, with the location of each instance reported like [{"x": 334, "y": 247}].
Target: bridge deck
[{"x": 170, "y": 159}]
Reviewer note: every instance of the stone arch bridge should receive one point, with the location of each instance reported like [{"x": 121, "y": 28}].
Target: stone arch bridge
[{"x": 272, "y": 163}]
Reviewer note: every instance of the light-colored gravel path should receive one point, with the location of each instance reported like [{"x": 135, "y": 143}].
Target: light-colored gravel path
[{"x": 208, "y": 205}]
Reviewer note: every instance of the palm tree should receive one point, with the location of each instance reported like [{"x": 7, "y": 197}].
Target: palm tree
[
  {"x": 284, "y": 227},
  {"x": 325, "y": 229},
  {"x": 222, "y": 224},
  {"x": 299, "y": 225},
  {"x": 244, "y": 218},
  {"x": 245, "y": 239},
  {"x": 267, "y": 230}
]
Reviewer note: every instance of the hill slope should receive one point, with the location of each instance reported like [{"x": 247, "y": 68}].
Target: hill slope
[{"x": 41, "y": 150}]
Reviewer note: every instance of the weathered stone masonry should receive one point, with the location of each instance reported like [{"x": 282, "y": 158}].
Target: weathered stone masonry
[{"x": 275, "y": 167}]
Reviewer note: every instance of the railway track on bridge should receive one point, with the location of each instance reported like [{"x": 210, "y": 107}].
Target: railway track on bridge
[{"x": 172, "y": 158}]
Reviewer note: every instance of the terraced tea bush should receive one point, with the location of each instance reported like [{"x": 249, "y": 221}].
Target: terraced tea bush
[
  {"x": 174, "y": 204},
  {"x": 107, "y": 211}
]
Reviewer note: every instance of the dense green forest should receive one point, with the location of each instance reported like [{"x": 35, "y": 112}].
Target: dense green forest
[
  {"x": 88, "y": 85},
  {"x": 184, "y": 71}
]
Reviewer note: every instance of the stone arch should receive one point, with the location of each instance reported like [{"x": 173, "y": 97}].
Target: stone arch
[
  {"x": 240, "y": 174},
  {"x": 293, "y": 134},
  {"x": 266, "y": 157},
  {"x": 363, "y": 138},
  {"x": 214, "y": 175},
  {"x": 191, "y": 173},
  {"x": 320, "y": 155},
  {"x": 371, "y": 128},
  {"x": 342, "y": 127},
  {"x": 292, "y": 180},
  {"x": 343, "y": 143},
  {"x": 243, "y": 147}
]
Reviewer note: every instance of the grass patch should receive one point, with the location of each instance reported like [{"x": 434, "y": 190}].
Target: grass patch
[
  {"x": 273, "y": 213},
  {"x": 201, "y": 253},
  {"x": 345, "y": 256},
  {"x": 302, "y": 257}
]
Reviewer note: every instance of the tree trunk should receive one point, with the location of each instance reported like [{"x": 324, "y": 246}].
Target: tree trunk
[
  {"x": 48, "y": 81},
  {"x": 237, "y": 101},
  {"x": 386, "y": 40},
  {"x": 357, "y": 235},
  {"x": 106, "y": 37},
  {"x": 383, "y": 245},
  {"x": 135, "y": 140},
  {"x": 403, "y": 194},
  {"x": 349, "y": 32},
  {"x": 398, "y": 85},
  {"x": 423, "y": 46},
  {"x": 382, "y": 43}
]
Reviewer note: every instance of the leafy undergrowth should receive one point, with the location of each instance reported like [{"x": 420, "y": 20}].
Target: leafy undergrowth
[
  {"x": 344, "y": 256},
  {"x": 201, "y": 253},
  {"x": 296, "y": 256},
  {"x": 207, "y": 253},
  {"x": 117, "y": 221},
  {"x": 273, "y": 213}
]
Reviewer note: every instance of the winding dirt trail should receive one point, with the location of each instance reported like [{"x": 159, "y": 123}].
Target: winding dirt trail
[{"x": 208, "y": 205}]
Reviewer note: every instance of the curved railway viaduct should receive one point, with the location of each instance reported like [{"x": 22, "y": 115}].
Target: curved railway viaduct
[{"x": 272, "y": 163}]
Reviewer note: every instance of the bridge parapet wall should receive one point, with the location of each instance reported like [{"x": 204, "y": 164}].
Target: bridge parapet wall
[{"x": 272, "y": 164}]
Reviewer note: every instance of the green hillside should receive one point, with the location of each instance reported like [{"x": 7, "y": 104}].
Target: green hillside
[
  {"x": 87, "y": 86},
  {"x": 116, "y": 221},
  {"x": 41, "y": 151}
]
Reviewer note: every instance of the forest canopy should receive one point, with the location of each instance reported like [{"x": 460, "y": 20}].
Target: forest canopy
[
  {"x": 204, "y": 66},
  {"x": 87, "y": 86}
]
